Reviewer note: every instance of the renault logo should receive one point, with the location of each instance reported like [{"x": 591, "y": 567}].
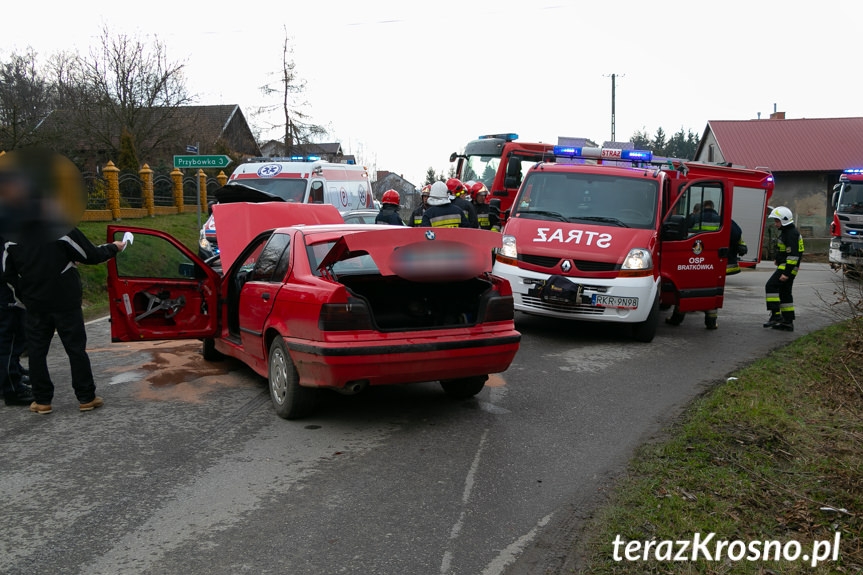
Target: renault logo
[{"x": 566, "y": 266}]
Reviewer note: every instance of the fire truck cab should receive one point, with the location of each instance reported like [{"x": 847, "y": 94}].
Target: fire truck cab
[
  {"x": 846, "y": 231},
  {"x": 616, "y": 242},
  {"x": 500, "y": 162}
]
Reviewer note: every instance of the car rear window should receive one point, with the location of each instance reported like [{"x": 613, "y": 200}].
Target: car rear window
[{"x": 361, "y": 264}]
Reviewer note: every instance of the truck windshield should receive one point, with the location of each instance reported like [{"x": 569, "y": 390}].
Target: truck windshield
[
  {"x": 480, "y": 169},
  {"x": 287, "y": 189},
  {"x": 851, "y": 200},
  {"x": 602, "y": 200}
]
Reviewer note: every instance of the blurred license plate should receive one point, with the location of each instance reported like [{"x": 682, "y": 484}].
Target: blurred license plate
[{"x": 615, "y": 301}]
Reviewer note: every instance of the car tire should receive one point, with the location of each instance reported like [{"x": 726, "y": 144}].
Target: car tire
[
  {"x": 676, "y": 317},
  {"x": 465, "y": 387},
  {"x": 209, "y": 350},
  {"x": 646, "y": 330},
  {"x": 289, "y": 398}
]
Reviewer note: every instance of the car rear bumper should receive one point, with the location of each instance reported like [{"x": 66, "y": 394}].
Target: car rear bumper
[{"x": 408, "y": 360}]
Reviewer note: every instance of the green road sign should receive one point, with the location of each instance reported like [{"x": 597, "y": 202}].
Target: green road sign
[{"x": 201, "y": 161}]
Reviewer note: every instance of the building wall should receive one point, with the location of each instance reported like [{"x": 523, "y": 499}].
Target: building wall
[{"x": 807, "y": 195}]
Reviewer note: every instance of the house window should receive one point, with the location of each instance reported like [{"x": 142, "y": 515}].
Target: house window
[{"x": 710, "y": 153}]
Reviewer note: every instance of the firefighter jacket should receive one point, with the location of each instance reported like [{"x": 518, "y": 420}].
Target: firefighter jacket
[
  {"x": 486, "y": 219},
  {"x": 789, "y": 250},
  {"x": 416, "y": 220},
  {"x": 44, "y": 275},
  {"x": 469, "y": 211},
  {"x": 736, "y": 248},
  {"x": 389, "y": 214},
  {"x": 445, "y": 216}
]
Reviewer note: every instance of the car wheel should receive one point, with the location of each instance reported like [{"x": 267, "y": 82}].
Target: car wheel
[
  {"x": 464, "y": 387},
  {"x": 290, "y": 399},
  {"x": 676, "y": 317},
  {"x": 209, "y": 350},
  {"x": 646, "y": 330}
]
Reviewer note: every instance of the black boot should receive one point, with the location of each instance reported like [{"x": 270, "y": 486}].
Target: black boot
[
  {"x": 20, "y": 397},
  {"x": 774, "y": 319},
  {"x": 784, "y": 326}
]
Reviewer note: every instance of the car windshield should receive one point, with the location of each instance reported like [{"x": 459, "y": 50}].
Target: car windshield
[
  {"x": 605, "y": 200},
  {"x": 481, "y": 169},
  {"x": 287, "y": 189},
  {"x": 356, "y": 265},
  {"x": 851, "y": 201}
]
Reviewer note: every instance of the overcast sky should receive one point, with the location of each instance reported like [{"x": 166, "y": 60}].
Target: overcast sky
[{"x": 404, "y": 84}]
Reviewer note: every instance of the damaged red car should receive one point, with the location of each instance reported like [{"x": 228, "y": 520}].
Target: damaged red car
[{"x": 312, "y": 303}]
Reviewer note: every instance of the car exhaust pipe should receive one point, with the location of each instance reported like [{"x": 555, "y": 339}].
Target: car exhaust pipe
[{"x": 353, "y": 387}]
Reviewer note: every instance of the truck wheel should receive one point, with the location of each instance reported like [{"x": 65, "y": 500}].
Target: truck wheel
[
  {"x": 464, "y": 387},
  {"x": 290, "y": 399},
  {"x": 645, "y": 330},
  {"x": 209, "y": 350},
  {"x": 676, "y": 317}
]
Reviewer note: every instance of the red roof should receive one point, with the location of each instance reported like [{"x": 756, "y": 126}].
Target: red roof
[{"x": 796, "y": 145}]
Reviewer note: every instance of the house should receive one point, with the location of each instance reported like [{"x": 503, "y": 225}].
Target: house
[
  {"x": 408, "y": 194},
  {"x": 805, "y": 155},
  {"x": 92, "y": 137},
  {"x": 329, "y": 152}
]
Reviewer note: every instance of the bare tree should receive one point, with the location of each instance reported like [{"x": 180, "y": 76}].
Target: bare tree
[
  {"x": 126, "y": 85},
  {"x": 25, "y": 100},
  {"x": 297, "y": 128}
]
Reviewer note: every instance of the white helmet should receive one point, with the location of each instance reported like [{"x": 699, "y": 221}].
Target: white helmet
[
  {"x": 782, "y": 214},
  {"x": 438, "y": 195}
]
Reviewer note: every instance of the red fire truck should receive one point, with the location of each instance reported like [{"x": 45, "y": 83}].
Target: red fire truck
[
  {"x": 846, "y": 242},
  {"x": 499, "y": 162},
  {"x": 615, "y": 243}
]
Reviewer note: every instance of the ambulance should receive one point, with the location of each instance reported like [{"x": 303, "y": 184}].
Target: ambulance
[
  {"x": 300, "y": 179},
  {"x": 618, "y": 241}
]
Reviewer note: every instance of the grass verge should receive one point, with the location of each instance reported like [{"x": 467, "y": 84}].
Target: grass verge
[
  {"x": 775, "y": 454},
  {"x": 184, "y": 227}
]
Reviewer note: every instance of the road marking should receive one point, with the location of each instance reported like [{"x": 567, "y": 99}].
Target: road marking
[
  {"x": 469, "y": 482},
  {"x": 513, "y": 550}
]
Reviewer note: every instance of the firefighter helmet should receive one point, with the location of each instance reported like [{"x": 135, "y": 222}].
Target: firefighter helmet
[
  {"x": 782, "y": 214},
  {"x": 438, "y": 195},
  {"x": 455, "y": 187},
  {"x": 426, "y": 190},
  {"x": 477, "y": 189},
  {"x": 390, "y": 197}
]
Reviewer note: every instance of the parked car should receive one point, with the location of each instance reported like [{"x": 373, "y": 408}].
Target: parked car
[
  {"x": 333, "y": 306},
  {"x": 361, "y": 216}
]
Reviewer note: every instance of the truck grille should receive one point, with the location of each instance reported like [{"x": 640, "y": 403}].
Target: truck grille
[
  {"x": 583, "y": 265},
  {"x": 541, "y": 261},
  {"x": 589, "y": 266}
]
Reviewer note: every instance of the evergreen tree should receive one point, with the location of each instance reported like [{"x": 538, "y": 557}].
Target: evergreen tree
[{"x": 430, "y": 177}]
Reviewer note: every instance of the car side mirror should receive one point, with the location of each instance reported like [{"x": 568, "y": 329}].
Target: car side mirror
[
  {"x": 453, "y": 157},
  {"x": 674, "y": 228},
  {"x": 187, "y": 270},
  {"x": 837, "y": 187},
  {"x": 834, "y": 201},
  {"x": 494, "y": 205}
]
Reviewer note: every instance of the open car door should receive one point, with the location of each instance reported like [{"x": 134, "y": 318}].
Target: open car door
[
  {"x": 695, "y": 237},
  {"x": 158, "y": 289}
]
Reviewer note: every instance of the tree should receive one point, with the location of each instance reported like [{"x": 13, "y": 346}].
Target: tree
[
  {"x": 25, "y": 99},
  {"x": 430, "y": 177},
  {"x": 126, "y": 85},
  {"x": 658, "y": 143},
  {"x": 297, "y": 129},
  {"x": 641, "y": 140}
]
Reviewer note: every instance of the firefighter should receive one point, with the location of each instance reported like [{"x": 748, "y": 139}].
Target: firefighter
[
  {"x": 441, "y": 212},
  {"x": 789, "y": 251},
  {"x": 389, "y": 213},
  {"x": 457, "y": 190},
  {"x": 485, "y": 219},
  {"x": 736, "y": 247},
  {"x": 417, "y": 215}
]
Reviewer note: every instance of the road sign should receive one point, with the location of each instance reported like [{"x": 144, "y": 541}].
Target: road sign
[
  {"x": 201, "y": 161},
  {"x": 192, "y": 149}
]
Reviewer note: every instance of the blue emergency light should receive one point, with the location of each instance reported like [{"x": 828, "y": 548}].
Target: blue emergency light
[
  {"x": 854, "y": 171},
  {"x": 508, "y": 137},
  {"x": 603, "y": 153},
  {"x": 305, "y": 158}
]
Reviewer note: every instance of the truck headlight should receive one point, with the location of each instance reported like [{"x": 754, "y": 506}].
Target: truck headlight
[
  {"x": 638, "y": 262},
  {"x": 508, "y": 254},
  {"x": 204, "y": 243}
]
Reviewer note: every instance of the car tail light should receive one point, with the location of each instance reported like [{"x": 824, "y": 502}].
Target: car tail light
[
  {"x": 499, "y": 308},
  {"x": 350, "y": 316}
]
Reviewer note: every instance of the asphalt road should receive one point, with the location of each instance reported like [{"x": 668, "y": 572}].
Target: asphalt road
[{"x": 188, "y": 470}]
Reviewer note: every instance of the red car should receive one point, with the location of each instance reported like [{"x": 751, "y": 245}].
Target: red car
[{"x": 330, "y": 305}]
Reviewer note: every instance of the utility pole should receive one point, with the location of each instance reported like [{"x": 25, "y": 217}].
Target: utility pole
[{"x": 612, "y": 107}]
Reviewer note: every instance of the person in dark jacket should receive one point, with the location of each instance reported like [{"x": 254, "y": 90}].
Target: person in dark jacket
[
  {"x": 736, "y": 248},
  {"x": 389, "y": 213},
  {"x": 441, "y": 213},
  {"x": 789, "y": 251},
  {"x": 417, "y": 215},
  {"x": 13, "y": 376},
  {"x": 44, "y": 277},
  {"x": 485, "y": 218},
  {"x": 457, "y": 190}
]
